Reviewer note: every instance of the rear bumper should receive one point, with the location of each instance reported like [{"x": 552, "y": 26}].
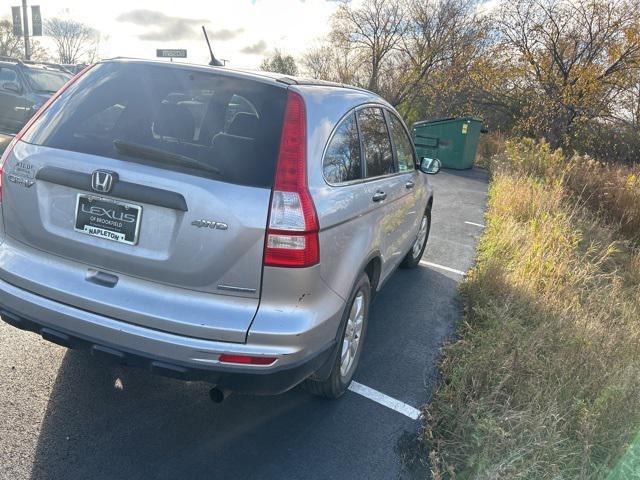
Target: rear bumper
[{"x": 160, "y": 352}]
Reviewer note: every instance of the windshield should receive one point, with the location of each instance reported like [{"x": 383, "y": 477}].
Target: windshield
[
  {"x": 188, "y": 120},
  {"x": 46, "y": 81}
]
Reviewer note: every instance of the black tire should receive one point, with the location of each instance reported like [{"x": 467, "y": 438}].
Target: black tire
[
  {"x": 337, "y": 382},
  {"x": 412, "y": 259}
]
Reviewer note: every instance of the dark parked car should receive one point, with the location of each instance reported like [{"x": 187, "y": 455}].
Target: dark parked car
[{"x": 24, "y": 87}]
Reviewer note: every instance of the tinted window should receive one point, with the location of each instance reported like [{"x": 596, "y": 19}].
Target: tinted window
[
  {"x": 8, "y": 75},
  {"x": 375, "y": 138},
  {"x": 342, "y": 160},
  {"x": 175, "y": 118},
  {"x": 46, "y": 81},
  {"x": 402, "y": 142}
]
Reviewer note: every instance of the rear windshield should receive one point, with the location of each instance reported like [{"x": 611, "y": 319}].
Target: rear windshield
[{"x": 195, "y": 122}]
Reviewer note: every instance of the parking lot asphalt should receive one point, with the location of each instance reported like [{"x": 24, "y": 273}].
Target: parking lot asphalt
[{"x": 64, "y": 415}]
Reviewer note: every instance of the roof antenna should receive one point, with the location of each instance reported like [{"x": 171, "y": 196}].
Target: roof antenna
[{"x": 214, "y": 61}]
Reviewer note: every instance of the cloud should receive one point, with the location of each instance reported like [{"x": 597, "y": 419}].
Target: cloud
[
  {"x": 225, "y": 34},
  {"x": 164, "y": 27},
  {"x": 256, "y": 48}
]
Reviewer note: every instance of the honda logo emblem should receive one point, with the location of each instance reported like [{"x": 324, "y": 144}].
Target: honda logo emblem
[{"x": 103, "y": 180}]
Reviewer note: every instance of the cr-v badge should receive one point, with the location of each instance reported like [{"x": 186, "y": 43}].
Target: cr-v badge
[
  {"x": 22, "y": 174},
  {"x": 210, "y": 224}
]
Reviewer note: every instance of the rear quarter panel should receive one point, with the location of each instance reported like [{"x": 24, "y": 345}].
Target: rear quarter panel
[{"x": 352, "y": 227}]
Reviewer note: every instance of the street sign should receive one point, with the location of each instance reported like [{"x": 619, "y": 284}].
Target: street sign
[
  {"x": 17, "y": 21},
  {"x": 171, "y": 53},
  {"x": 36, "y": 20}
]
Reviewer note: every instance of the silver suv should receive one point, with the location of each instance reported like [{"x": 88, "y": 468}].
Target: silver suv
[{"x": 209, "y": 224}]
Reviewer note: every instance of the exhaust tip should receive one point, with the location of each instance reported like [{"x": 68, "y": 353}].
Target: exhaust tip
[{"x": 217, "y": 396}]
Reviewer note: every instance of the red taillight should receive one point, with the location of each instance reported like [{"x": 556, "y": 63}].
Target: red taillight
[
  {"x": 32, "y": 120},
  {"x": 246, "y": 359},
  {"x": 292, "y": 233}
]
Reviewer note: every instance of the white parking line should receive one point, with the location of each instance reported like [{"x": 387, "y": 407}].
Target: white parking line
[
  {"x": 475, "y": 224},
  {"x": 441, "y": 267},
  {"x": 385, "y": 400}
]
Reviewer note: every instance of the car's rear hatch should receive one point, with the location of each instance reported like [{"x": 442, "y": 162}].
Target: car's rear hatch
[{"x": 151, "y": 184}]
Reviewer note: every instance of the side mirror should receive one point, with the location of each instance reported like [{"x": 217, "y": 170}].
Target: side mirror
[
  {"x": 11, "y": 87},
  {"x": 430, "y": 166}
]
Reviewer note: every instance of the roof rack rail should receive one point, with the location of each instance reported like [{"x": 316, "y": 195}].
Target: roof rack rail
[{"x": 20, "y": 61}]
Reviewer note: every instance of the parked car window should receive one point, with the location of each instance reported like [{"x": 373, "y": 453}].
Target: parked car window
[
  {"x": 171, "y": 118},
  {"x": 402, "y": 142},
  {"x": 342, "y": 162},
  {"x": 46, "y": 81},
  {"x": 376, "y": 142},
  {"x": 8, "y": 75}
]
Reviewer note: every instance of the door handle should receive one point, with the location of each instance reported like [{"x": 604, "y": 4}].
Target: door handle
[
  {"x": 379, "y": 196},
  {"x": 409, "y": 185}
]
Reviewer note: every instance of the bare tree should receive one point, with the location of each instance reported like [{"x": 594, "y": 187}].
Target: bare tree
[
  {"x": 372, "y": 30},
  {"x": 10, "y": 45},
  {"x": 441, "y": 34},
  {"x": 335, "y": 63},
  {"x": 575, "y": 58},
  {"x": 319, "y": 63},
  {"x": 75, "y": 41},
  {"x": 13, "y": 46},
  {"x": 393, "y": 47}
]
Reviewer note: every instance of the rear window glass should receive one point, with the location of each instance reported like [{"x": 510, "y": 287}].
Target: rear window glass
[
  {"x": 342, "y": 160},
  {"x": 377, "y": 145},
  {"x": 195, "y": 122}
]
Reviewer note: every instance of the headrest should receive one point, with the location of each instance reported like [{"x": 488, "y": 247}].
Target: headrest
[
  {"x": 174, "y": 121},
  {"x": 244, "y": 125}
]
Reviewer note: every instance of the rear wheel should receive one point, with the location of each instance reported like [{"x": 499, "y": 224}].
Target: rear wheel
[
  {"x": 354, "y": 326},
  {"x": 415, "y": 254}
]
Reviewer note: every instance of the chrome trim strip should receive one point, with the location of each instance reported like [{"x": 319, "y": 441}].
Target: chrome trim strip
[{"x": 232, "y": 288}]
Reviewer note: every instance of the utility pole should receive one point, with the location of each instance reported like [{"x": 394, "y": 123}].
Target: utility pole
[{"x": 25, "y": 29}]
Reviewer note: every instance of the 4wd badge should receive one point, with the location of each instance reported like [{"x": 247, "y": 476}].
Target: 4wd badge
[{"x": 209, "y": 224}]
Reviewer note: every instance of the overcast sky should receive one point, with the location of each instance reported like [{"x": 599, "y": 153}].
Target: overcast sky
[{"x": 243, "y": 31}]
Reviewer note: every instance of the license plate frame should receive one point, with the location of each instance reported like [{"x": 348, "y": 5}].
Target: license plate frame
[{"x": 108, "y": 220}]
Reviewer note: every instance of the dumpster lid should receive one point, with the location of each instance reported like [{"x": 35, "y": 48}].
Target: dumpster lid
[{"x": 446, "y": 120}]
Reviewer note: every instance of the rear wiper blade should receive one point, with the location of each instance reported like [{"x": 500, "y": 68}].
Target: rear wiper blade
[{"x": 151, "y": 153}]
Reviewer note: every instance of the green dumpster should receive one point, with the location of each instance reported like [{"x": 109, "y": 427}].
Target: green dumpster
[{"x": 453, "y": 141}]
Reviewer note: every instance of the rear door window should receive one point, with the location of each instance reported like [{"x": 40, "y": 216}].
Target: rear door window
[
  {"x": 402, "y": 142},
  {"x": 342, "y": 160},
  {"x": 375, "y": 140},
  {"x": 187, "y": 120}
]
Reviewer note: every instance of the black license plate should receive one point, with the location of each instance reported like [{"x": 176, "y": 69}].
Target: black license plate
[{"x": 110, "y": 219}]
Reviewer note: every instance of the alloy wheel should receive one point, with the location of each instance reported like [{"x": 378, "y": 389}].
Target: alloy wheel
[
  {"x": 352, "y": 335},
  {"x": 422, "y": 237}
]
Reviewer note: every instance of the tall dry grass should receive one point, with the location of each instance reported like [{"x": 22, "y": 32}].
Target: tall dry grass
[{"x": 544, "y": 379}]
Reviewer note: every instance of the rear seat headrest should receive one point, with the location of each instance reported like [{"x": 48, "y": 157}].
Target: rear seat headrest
[
  {"x": 244, "y": 125},
  {"x": 174, "y": 121}
]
